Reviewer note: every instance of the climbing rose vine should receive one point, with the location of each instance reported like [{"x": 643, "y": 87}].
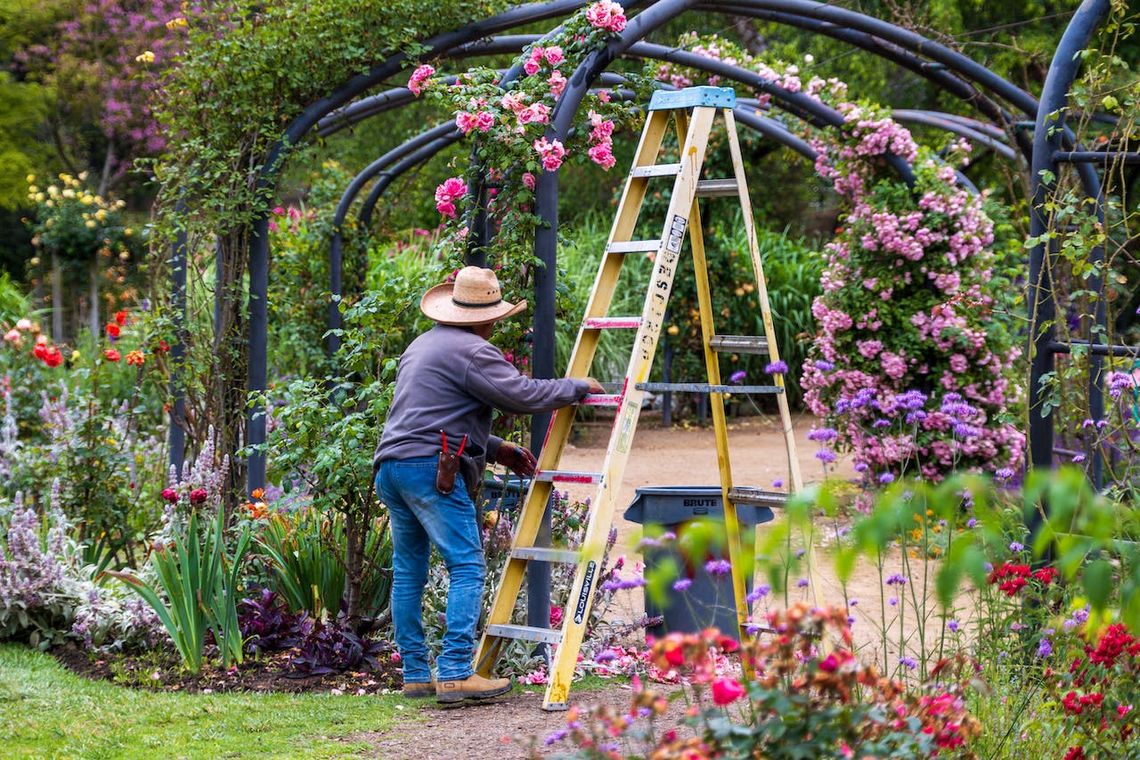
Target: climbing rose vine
[{"x": 508, "y": 123}]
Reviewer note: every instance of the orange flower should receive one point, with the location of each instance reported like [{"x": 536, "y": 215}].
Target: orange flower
[
  {"x": 111, "y": 355},
  {"x": 257, "y": 510},
  {"x": 135, "y": 358},
  {"x": 258, "y": 494}
]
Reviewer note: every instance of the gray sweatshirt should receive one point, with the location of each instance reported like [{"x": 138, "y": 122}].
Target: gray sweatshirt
[{"x": 450, "y": 379}]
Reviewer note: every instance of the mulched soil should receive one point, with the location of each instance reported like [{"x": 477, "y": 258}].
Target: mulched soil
[{"x": 270, "y": 672}]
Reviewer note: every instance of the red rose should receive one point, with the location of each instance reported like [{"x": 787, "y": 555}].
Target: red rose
[
  {"x": 725, "y": 691},
  {"x": 52, "y": 357},
  {"x": 1075, "y": 753},
  {"x": 39, "y": 351},
  {"x": 163, "y": 347},
  {"x": 170, "y": 494},
  {"x": 198, "y": 496},
  {"x": 555, "y": 616},
  {"x": 113, "y": 330},
  {"x": 121, "y": 317},
  {"x": 111, "y": 355}
]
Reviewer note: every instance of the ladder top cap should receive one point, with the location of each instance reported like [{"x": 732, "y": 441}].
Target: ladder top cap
[{"x": 693, "y": 97}]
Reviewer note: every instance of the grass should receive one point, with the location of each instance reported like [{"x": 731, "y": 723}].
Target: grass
[{"x": 46, "y": 711}]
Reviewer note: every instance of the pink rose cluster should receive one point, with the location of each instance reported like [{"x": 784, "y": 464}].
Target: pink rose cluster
[
  {"x": 909, "y": 363},
  {"x": 607, "y": 15},
  {"x": 601, "y": 150},
  {"x": 447, "y": 193},
  {"x": 550, "y": 152},
  {"x": 419, "y": 78}
]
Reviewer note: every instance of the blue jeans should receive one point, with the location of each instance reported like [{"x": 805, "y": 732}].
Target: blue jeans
[{"x": 419, "y": 514}]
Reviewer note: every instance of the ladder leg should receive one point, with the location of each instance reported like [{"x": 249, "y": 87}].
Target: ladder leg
[{"x": 720, "y": 429}]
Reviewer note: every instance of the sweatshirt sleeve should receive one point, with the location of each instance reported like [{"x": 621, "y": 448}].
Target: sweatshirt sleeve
[{"x": 495, "y": 381}]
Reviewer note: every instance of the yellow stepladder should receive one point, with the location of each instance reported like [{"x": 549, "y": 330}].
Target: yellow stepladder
[{"x": 694, "y": 111}]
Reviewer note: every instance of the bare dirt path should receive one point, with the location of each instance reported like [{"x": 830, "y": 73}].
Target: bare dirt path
[{"x": 675, "y": 456}]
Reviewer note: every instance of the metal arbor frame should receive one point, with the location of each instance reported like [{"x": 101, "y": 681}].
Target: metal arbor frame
[{"x": 1012, "y": 112}]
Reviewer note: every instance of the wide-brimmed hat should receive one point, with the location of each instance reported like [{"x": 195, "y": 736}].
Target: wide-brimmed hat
[{"x": 475, "y": 298}]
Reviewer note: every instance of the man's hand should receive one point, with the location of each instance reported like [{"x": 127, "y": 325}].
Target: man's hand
[
  {"x": 517, "y": 458},
  {"x": 595, "y": 386}
]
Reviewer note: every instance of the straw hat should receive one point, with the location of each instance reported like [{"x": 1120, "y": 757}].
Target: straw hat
[{"x": 473, "y": 299}]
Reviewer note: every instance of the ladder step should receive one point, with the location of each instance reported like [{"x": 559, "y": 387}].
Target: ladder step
[
  {"x": 546, "y": 554},
  {"x": 601, "y": 399},
  {"x": 634, "y": 246},
  {"x": 656, "y": 170},
  {"x": 706, "y": 388},
  {"x": 717, "y": 188},
  {"x": 526, "y": 633},
  {"x": 567, "y": 476},
  {"x": 757, "y": 496},
  {"x": 739, "y": 344},
  {"x": 611, "y": 323},
  {"x": 693, "y": 97}
]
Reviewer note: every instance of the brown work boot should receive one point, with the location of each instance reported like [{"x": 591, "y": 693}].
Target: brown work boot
[
  {"x": 472, "y": 687},
  {"x": 419, "y": 690}
]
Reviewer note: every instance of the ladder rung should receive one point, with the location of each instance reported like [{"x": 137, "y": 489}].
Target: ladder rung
[
  {"x": 739, "y": 344},
  {"x": 656, "y": 170},
  {"x": 567, "y": 476},
  {"x": 717, "y": 188},
  {"x": 546, "y": 554},
  {"x": 706, "y": 388},
  {"x": 757, "y": 496},
  {"x": 611, "y": 323},
  {"x": 601, "y": 399},
  {"x": 526, "y": 633}
]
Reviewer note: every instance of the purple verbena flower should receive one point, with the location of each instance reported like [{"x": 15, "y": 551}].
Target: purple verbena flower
[
  {"x": 908, "y": 662},
  {"x": 898, "y": 579},
  {"x": 776, "y": 368},
  {"x": 682, "y": 583},
  {"x": 737, "y": 377},
  {"x": 827, "y": 456},
  {"x": 718, "y": 567}
]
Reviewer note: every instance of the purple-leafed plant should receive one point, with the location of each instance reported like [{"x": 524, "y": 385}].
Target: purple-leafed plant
[
  {"x": 266, "y": 626},
  {"x": 329, "y": 647}
]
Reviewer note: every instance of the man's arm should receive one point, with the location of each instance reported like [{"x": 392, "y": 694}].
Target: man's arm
[{"x": 495, "y": 381}]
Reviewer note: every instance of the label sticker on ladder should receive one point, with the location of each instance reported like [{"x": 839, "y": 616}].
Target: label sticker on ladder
[
  {"x": 584, "y": 595},
  {"x": 676, "y": 233}
]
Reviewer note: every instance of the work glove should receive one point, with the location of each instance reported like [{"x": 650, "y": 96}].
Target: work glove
[{"x": 517, "y": 458}]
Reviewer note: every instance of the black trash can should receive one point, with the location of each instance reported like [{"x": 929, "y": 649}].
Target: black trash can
[
  {"x": 502, "y": 494},
  {"x": 708, "y": 601}
]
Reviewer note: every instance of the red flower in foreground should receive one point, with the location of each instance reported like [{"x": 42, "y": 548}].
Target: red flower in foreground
[
  {"x": 1009, "y": 577},
  {"x": 555, "y": 616},
  {"x": 1046, "y": 575},
  {"x": 1075, "y": 753},
  {"x": 198, "y": 496},
  {"x": 170, "y": 494},
  {"x": 135, "y": 358},
  {"x": 52, "y": 357},
  {"x": 111, "y": 355},
  {"x": 121, "y": 317},
  {"x": 162, "y": 347},
  {"x": 113, "y": 330},
  {"x": 725, "y": 691}
]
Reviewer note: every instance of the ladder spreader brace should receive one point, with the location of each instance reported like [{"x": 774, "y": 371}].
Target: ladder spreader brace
[{"x": 683, "y": 216}]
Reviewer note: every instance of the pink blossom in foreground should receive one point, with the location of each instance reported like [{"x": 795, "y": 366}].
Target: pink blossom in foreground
[
  {"x": 419, "y": 76},
  {"x": 557, "y": 84},
  {"x": 528, "y": 181}
]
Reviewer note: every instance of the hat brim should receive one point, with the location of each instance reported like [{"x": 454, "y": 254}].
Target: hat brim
[{"x": 437, "y": 305}]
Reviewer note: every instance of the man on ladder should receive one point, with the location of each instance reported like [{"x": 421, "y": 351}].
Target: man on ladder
[{"x": 449, "y": 380}]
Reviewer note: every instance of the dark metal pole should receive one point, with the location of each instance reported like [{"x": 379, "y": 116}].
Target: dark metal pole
[
  {"x": 1043, "y": 171},
  {"x": 178, "y": 255}
]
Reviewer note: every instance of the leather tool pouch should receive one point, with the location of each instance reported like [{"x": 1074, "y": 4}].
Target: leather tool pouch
[{"x": 446, "y": 471}]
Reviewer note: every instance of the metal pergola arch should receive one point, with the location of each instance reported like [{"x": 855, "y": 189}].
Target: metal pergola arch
[{"x": 954, "y": 72}]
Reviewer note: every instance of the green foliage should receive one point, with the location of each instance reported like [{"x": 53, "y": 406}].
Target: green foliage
[
  {"x": 14, "y": 303},
  {"x": 199, "y": 579}
]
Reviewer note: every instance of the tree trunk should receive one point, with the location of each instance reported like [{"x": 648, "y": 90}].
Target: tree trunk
[
  {"x": 355, "y": 528},
  {"x": 56, "y": 300},
  {"x": 226, "y": 406}
]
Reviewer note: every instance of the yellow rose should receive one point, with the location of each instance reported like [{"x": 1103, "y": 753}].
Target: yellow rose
[
  {"x": 49, "y": 222},
  {"x": 101, "y": 215},
  {"x": 90, "y": 224},
  {"x": 30, "y": 178},
  {"x": 147, "y": 57},
  {"x": 68, "y": 193},
  {"x": 673, "y": 330},
  {"x": 40, "y": 197},
  {"x": 32, "y": 189}
]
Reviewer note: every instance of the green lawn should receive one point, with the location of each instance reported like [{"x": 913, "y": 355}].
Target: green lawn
[{"x": 46, "y": 711}]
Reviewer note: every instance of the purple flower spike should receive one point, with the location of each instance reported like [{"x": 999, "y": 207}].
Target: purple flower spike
[{"x": 827, "y": 456}]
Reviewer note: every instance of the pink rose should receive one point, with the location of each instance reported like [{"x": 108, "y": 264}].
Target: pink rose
[
  {"x": 513, "y": 102},
  {"x": 528, "y": 181},
  {"x": 606, "y": 14},
  {"x": 726, "y": 690},
  {"x": 551, "y": 153},
  {"x": 602, "y": 155},
  {"x": 531, "y": 67},
  {"x": 465, "y": 121},
  {"x": 419, "y": 76},
  {"x": 484, "y": 121},
  {"x": 553, "y": 55},
  {"x": 557, "y": 83},
  {"x": 447, "y": 193}
]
